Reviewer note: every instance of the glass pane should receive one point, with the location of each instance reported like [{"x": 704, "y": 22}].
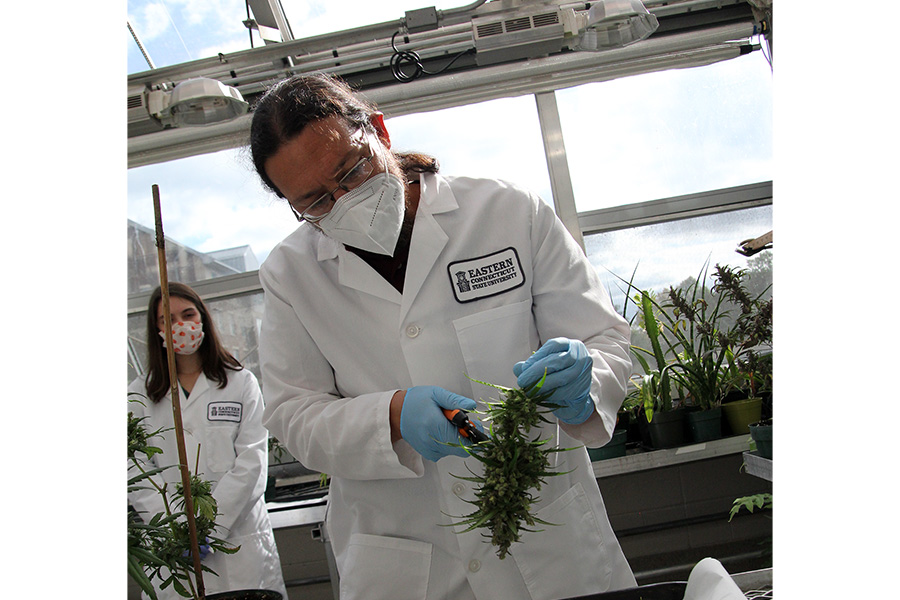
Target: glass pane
[
  {"x": 177, "y": 32},
  {"x": 670, "y": 133},
  {"x": 237, "y": 320},
  {"x": 500, "y": 139},
  {"x": 217, "y": 218},
  {"x": 667, "y": 254}
]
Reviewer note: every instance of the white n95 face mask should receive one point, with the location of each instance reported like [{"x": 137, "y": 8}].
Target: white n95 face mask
[
  {"x": 186, "y": 336},
  {"x": 368, "y": 217}
]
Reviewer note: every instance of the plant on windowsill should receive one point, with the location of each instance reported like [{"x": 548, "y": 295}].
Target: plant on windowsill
[
  {"x": 761, "y": 433},
  {"x": 699, "y": 346},
  {"x": 703, "y": 349},
  {"x": 751, "y": 336},
  {"x": 658, "y": 411},
  {"x": 628, "y": 415}
]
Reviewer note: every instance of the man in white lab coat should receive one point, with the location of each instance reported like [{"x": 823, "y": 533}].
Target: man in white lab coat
[{"x": 398, "y": 289}]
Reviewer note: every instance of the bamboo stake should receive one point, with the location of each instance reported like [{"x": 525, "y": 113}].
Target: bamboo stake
[{"x": 176, "y": 403}]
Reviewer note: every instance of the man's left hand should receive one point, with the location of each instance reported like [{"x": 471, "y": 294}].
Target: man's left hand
[{"x": 568, "y": 366}]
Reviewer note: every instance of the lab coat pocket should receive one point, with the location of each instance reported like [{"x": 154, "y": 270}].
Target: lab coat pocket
[
  {"x": 379, "y": 567},
  {"x": 217, "y": 450},
  {"x": 491, "y": 341},
  {"x": 575, "y": 527}
]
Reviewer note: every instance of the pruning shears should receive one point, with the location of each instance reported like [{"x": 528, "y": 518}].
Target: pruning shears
[{"x": 466, "y": 428}]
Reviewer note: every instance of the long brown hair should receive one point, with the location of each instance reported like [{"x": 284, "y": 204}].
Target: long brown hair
[
  {"x": 292, "y": 104},
  {"x": 214, "y": 358}
]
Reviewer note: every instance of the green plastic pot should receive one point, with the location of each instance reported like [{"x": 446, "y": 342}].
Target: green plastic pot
[
  {"x": 705, "y": 425},
  {"x": 762, "y": 435},
  {"x": 614, "y": 448},
  {"x": 740, "y": 413},
  {"x": 667, "y": 428}
]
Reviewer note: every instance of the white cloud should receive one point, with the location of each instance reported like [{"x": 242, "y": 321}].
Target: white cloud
[
  {"x": 499, "y": 139},
  {"x": 175, "y": 31},
  {"x": 315, "y": 18},
  {"x": 234, "y": 44},
  {"x": 210, "y": 202},
  {"x": 151, "y": 21},
  {"x": 208, "y": 15},
  {"x": 669, "y": 133}
]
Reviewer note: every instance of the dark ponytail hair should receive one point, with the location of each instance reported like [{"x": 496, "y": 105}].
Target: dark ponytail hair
[
  {"x": 214, "y": 358},
  {"x": 292, "y": 104}
]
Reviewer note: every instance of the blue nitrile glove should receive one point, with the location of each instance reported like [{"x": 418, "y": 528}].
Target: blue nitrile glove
[
  {"x": 568, "y": 366},
  {"x": 202, "y": 548},
  {"x": 424, "y": 426}
]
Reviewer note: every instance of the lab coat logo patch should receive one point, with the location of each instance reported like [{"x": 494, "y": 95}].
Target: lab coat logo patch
[
  {"x": 224, "y": 411},
  {"x": 486, "y": 276}
]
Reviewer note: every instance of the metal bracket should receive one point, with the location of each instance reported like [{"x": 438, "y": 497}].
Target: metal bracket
[
  {"x": 318, "y": 533},
  {"x": 752, "y": 246}
]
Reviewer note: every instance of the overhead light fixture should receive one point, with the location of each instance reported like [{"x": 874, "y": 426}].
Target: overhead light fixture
[
  {"x": 198, "y": 101},
  {"x": 614, "y": 24}
]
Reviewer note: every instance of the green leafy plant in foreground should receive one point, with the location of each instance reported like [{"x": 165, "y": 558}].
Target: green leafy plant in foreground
[
  {"x": 159, "y": 549},
  {"x": 514, "y": 466}
]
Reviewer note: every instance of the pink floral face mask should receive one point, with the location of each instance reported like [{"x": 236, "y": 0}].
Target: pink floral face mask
[{"x": 186, "y": 336}]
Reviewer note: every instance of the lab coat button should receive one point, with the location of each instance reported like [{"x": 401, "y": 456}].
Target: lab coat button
[
  {"x": 474, "y": 566},
  {"x": 459, "y": 489},
  {"x": 412, "y": 331}
]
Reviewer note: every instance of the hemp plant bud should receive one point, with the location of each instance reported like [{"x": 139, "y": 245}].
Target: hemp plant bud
[{"x": 514, "y": 466}]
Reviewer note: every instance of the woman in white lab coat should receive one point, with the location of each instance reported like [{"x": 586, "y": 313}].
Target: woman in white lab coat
[
  {"x": 222, "y": 410},
  {"x": 480, "y": 275}
]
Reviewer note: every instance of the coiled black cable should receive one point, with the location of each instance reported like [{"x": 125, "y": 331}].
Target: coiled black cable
[{"x": 404, "y": 57}]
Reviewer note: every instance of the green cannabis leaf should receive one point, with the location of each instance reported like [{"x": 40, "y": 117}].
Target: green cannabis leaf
[
  {"x": 514, "y": 466},
  {"x": 159, "y": 550}
]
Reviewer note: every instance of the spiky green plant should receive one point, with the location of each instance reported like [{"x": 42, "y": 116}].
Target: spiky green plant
[
  {"x": 701, "y": 349},
  {"x": 159, "y": 549},
  {"x": 514, "y": 466}
]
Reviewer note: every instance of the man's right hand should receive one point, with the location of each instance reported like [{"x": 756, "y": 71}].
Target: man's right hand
[{"x": 423, "y": 424}]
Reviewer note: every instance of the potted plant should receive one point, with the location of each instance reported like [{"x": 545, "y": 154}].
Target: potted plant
[
  {"x": 615, "y": 447},
  {"x": 704, "y": 344},
  {"x": 702, "y": 352},
  {"x": 744, "y": 406},
  {"x": 159, "y": 546},
  {"x": 176, "y": 536},
  {"x": 628, "y": 418},
  {"x": 654, "y": 388},
  {"x": 751, "y": 337},
  {"x": 761, "y": 433}
]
